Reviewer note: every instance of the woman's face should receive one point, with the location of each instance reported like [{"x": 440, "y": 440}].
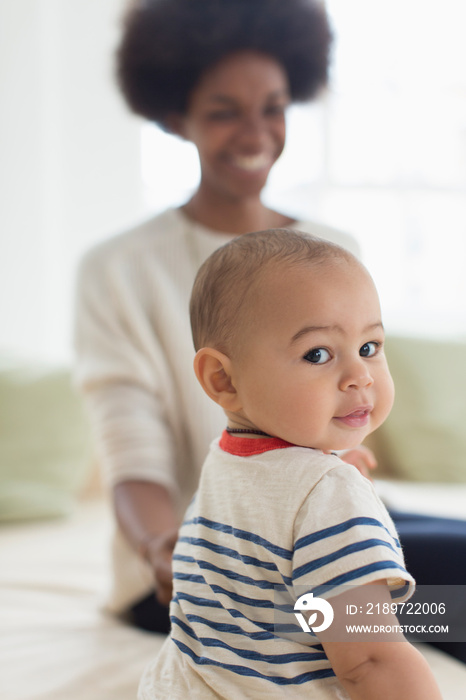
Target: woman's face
[{"x": 236, "y": 119}]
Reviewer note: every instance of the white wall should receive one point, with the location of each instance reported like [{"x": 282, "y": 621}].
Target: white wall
[
  {"x": 70, "y": 160},
  {"x": 384, "y": 159}
]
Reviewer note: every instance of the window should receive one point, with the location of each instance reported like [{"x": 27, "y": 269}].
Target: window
[{"x": 382, "y": 155}]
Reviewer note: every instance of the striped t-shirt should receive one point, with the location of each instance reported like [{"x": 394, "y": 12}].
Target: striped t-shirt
[{"x": 269, "y": 521}]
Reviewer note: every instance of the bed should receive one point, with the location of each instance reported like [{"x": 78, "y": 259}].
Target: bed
[
  {"x": 57, "y": 640},
  {"x": 58, "y": 643}
]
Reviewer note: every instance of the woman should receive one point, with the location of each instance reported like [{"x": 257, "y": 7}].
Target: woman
[
  {"x": 220, "y": 74},
  {"x": 223, "y": 79}
]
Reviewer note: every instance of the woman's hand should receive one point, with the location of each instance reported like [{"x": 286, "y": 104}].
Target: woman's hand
[
  {"x": 146, "y": 515},
  {"x": 158, "y": 553},
  {"x": 362, "y": 458}
]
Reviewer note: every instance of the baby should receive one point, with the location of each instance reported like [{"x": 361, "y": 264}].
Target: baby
[{"x": 290, "y": 343}]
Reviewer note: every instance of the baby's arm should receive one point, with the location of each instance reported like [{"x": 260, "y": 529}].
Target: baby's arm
[
  {"x": 382, "y": 670},
  {"x": 386, "y": 670}
]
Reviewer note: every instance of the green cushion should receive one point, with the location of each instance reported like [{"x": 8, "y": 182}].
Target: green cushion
[
  {"x": 424, "y": 438},
  {"x": 45, "y": 443}
]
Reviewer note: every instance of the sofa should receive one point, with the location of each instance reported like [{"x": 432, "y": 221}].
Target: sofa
[{"x": 58, "y": 642}]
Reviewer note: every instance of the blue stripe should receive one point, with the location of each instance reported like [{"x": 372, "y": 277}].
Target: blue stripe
[
  {"x": 234, "y": 576},
  {"x": 227, "y": 552},
  {"x": 250, "y": 654},
  {"x": 184, "y": 557},
  {"x": 242, "y": 535},
  {"x": 358, "y": 573},
  {"x": 243, "y": 600},
  {"x": 224, "y": 628},
  {"x": 338, "y": 529},
  {"x": 208, "y": 603},
  {"x": 267, "y": 626},
  {"x": 246, "y": 671},
  {"x": 196, "y": 600},
  {"x": 192, "y": 578},
  {"x": 339, "y": 554},
  {"x": 400, "y": 592},
  {"x": 254, "y": 602}
]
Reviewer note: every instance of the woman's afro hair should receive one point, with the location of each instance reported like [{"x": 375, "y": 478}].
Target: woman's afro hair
[{"x": 167, "y": 45}]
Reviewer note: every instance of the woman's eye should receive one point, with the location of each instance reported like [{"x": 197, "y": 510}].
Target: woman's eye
[
  {"x": 317, "y": 356},
  {"x": 368, "y": 349},
  {"x": 275, "y": 110},
  {"x": 222, "y": 116}
]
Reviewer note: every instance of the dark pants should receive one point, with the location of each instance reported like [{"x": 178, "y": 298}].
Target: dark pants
[
  {"x": 435, "y": 554},
  {"x": 150, "y": 615}
]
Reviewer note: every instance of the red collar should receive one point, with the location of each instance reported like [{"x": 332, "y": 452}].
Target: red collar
[{"x": 246, "y": 447}]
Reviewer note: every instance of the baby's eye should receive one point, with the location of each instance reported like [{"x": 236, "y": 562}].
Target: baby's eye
[
  {"x": 368, "y": 349},
  {"x": 318, "y": 356}
]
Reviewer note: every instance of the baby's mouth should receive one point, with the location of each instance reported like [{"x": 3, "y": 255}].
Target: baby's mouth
[{"x": 357, "y": 418}]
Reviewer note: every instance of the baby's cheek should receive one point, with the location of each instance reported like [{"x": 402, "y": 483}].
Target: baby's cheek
[
  {"x": 385, "y": 397},
  {"x": 391, "y": 392}
]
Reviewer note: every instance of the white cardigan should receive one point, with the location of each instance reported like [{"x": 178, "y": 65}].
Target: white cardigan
[{"x": 151, "y": 419}]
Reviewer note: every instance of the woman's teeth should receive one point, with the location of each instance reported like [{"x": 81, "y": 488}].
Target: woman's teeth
[{"x": 252, "y": 162}]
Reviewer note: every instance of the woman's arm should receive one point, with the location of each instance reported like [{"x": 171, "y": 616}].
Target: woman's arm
[
  {"x": 123, "y": 374},
  {"x": 145, "y": 513}
]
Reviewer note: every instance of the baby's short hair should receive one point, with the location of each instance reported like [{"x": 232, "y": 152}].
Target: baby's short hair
[{"x": 221, "y": 291}]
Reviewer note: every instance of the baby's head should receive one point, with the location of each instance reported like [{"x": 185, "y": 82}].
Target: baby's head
[{"x": 289, "y": 339}]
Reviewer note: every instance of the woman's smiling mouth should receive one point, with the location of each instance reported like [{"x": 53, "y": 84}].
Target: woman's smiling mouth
[{"x": 253, "y": 163}]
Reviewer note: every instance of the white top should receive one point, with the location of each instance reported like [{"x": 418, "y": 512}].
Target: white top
[
  {"x": 152, "y": 421},
  {"x": 269, "y": 523}
]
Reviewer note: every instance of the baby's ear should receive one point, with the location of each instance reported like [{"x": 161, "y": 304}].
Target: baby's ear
[{"x": 213, "y": 370}]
